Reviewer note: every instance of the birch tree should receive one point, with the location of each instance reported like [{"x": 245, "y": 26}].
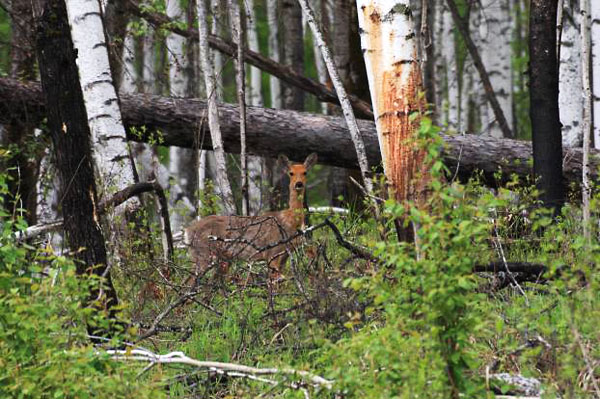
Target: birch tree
[
  {"x": 109, "y": 143},
  {"x": 390, "y": 48},
  {"x": 570, "y": 80},
  {"x": 496, "y": 53},
  {"x": 213, "y": 114}
]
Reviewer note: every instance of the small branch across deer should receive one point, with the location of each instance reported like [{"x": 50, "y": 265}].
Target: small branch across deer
[{"x": 226, "y": 238}]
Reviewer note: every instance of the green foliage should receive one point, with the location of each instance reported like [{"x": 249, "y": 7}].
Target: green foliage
[
  {"x": 44, "y": 351},
  {"x": 5, "y": 38}
]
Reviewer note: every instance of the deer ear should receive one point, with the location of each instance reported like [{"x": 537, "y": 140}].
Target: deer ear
[
  {"x": 282, "y": 162},
  {"x": 310, "y": 160}
]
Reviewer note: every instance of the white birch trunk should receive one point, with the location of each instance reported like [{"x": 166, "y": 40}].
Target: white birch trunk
[
  {"x": 595, "y": 34},
  {"x": 496, "y": 53},
  {"x": 255, "y": 165},
  {"x": 222, "y": 181},
  {"x": 180, "y": 159},
  {"x": 390, "y": 48},
  {"x": 273, "y": 22},
  {"x": 109, "y": 141},
  {"x": 570, "y": 97}
]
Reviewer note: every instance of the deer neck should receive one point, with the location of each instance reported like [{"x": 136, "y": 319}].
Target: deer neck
[{"x": 296, "y": 207}]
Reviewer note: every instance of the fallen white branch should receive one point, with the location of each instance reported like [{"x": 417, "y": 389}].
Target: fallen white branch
[
  {"x": 230, "y": 369},
  {"x": 328, "y": 209}
]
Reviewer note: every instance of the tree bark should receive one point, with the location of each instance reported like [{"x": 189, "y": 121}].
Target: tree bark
[
  {"x": 544, "y": 112},
  {"x": 110, "y": 151},
  {"x": 293, "y": 52},
  {"x": 68, "y": 126},
  {"x": 570, "y": 100},
  {"x": 390, "y": 49},
  {"x": 295, "y": 134},
  {"x": 586, "y": 50},
  {"x": 475, "y": 56}
]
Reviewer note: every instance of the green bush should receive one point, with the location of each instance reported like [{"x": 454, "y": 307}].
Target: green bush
[{"x": 44, "y": 350}]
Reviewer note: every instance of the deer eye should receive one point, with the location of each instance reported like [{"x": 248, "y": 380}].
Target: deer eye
[
  {"x": 304, "y": 174},
  {"x": 291, "y": 173}
]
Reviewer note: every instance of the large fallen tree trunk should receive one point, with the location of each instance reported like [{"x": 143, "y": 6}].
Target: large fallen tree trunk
[{"x": 295, "y": 134}]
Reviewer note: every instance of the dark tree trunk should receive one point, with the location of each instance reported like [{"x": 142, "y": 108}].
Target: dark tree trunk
[
  {"x": 295, "y": 134},
  {"x": 293, "y": 52},
  {"x": 68, "y": 125},
  {"x": 23, "y": 163},
  {"x": 116, "y": 17},
  {"x": 545, "y": 121}
]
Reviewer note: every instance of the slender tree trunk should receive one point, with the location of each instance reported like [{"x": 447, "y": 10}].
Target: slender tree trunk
[
  {"x": 293, "y": 51},
  {"x": 545, "y": 123},
  {"x": 213, "y": 113},
  {"x": 447, "y": 79},
  {"x": 586, "y": 48},
  {"x": 180, "y": 159},
  {"x": 235, "y": 16},
  {"x": 273, "y": 22},
  {"x": 595, "y": 33},
  {"x": 570, "y": 86},
  {"x": 70, "y": 131},
  {"x": 257, "y": 166}
]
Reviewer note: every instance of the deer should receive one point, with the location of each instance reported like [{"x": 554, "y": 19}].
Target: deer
[{"x": 217, "y": 240}]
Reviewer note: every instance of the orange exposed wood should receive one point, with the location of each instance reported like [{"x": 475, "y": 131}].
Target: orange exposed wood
[{"x": 397, "y": 89}]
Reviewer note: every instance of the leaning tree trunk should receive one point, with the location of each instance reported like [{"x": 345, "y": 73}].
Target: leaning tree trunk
[
  {"x": 108, "y": 134},
  {"x": 570, "y": 99},
  {"x": 390, "y": 50},
  {"x": 69, "y": 127},
  {"x": 545, "y": 123},
  {"x": 213, "y": 113}
]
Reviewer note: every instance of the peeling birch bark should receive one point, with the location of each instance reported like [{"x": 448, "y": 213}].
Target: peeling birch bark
[
  {"x": 109, "y": 141},
  {"x": 388, "y": 42}
]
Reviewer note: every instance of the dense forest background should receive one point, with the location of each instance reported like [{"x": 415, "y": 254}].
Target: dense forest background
[{"x": 481, "y": 281}]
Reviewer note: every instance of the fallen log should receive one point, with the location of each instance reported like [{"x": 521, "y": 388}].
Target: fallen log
[{"x": 182, "y": 122}]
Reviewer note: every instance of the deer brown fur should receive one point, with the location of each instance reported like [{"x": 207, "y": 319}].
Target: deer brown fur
[{"x": 217, "y": 240}]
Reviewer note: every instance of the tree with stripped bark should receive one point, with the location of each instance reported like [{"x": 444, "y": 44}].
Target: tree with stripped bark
[{"x": 390, "y": 49}]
